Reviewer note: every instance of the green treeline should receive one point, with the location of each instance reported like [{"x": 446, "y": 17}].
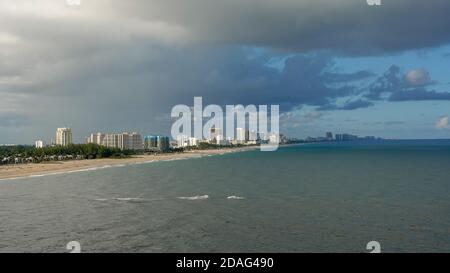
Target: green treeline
[{"x": 13, "y": 154}]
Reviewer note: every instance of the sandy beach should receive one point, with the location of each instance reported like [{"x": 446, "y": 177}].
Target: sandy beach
[{"x": 35, "y": 169}]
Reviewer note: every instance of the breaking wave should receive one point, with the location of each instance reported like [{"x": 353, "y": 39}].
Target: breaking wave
[
  {"x": 235, "y": 197},
  {"x": 198, "y": 197}
]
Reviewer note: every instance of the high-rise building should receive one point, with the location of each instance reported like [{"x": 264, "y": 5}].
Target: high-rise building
[
  {"x": 240, "y": 135},
  {"x": 193, "y": 141},
  {"x": 213, "y": 134},
  {"x": 220, "y": 140},
  {"x": 97, "y": 138},
  {"x": 63, "y": 136},
  {"x": 345, "y": 137},
  {"x": 124, "y": 141},
  {"x": 132, "y": 141},
  {"x": 163, "y": 143},
  {"x": 160, "y": 143},
  {"x": 329, "y": 136},
  {"x": 150, "y": 142},
  {"x": 182, "y": 141},
  {"x": 39, "y": 144},
  {"x": 113, "y": 141}
]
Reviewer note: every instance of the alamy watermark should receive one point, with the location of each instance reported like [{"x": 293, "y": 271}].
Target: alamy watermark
[
  {"x": 243, "y": 124},
  {"x": 374, "y": 247},
  {"x": 73, "y": 247}
]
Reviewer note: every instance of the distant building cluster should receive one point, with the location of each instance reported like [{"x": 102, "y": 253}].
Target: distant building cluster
[
  {"x": 330, "y": 137},
  {"x": 122, "y": 141},
  {"x": 215, "y": 136},
  {"x": 345, "y": 137}
]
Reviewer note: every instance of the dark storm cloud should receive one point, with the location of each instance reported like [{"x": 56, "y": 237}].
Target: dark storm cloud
[
  {"x": 347, "y": 26},
  {"x": 307, "y": 80},
  {"x": 135, "y": 88},
  {"x": 228, "y": 76},
  {"x": 414, "y": 85},
  {"x": 389, "y": 82}
]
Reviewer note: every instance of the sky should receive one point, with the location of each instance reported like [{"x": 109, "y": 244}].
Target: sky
[{"x": 331, "y": 65}]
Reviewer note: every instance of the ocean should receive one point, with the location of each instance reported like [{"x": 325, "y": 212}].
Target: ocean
[{"x": 326, "y": 197}]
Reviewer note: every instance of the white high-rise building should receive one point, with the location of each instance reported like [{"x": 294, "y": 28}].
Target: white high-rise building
[
  {"x": 97, "y": 138},
  {"x": 39, "y": 144},
  {"x": 132, "y": 141},
  {"x": 124, "y": 141},
  {"x": 213, "y": 134},
  {"x": 63, "y": 136},
  {"x": 220, "y": 140},
  {"x": 240, "y": 135},
  {"x": 193, "y": 141},
  {"x": 182, "y": 141}
]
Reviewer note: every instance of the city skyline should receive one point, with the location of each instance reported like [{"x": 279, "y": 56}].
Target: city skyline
[
  {"x": 245, "y": 134},
  {"x": 137, "y": 141},
  {"x": 334, "y": 75}
]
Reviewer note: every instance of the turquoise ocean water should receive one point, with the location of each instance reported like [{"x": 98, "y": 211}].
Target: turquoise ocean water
[{"x": 330, "y": 197}]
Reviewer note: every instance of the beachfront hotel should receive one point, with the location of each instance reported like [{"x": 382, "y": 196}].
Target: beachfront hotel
[
  {"x": 157, "y": 143},
  {"x": 63, "y": 136},
  {"x": 123, "y": 141}
]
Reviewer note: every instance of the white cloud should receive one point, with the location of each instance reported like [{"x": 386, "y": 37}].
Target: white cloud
[
  {"x": 417, "y": 77},
  {"x": 442, "y": 123}
]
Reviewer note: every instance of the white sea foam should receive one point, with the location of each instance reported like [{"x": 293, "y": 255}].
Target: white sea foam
[
  {"x": 174, "y": 159},
  {"x": 87, "y": 170},
  {"x": 198, "y": 197},
  {"x": 13, "y": 178},
  {"x": 36, "y": 175},
  {"x": 129, "y": 199},
  {"x": 235, "y": 197}
]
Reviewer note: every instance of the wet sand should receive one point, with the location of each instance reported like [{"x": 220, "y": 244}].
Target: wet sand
[{"x": 24, "y": 170}]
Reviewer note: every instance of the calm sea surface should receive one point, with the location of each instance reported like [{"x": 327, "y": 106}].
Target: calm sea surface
[{"x": 305, "y": 198}]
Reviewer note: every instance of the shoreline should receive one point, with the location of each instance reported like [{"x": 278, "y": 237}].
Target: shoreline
[{"x": 12, "y": 172}]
